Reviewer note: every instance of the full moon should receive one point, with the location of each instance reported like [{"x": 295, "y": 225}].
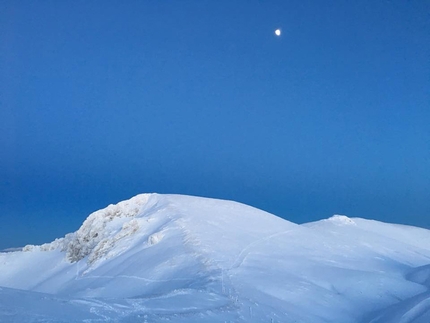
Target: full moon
[{"x": 278, "y": 32}]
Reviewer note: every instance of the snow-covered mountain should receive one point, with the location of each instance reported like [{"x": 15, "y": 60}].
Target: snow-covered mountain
[{"x": 173, "y": 258}]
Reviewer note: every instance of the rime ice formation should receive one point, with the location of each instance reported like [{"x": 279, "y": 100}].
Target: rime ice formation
[
  {"x": 100, "y": 231},
  {"x": 173, "y": 258}
]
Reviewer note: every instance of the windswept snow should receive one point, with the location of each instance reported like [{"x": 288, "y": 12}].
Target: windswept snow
[
  {"x": 341, "y": 220},
  {"x": 157, "y": 258}
]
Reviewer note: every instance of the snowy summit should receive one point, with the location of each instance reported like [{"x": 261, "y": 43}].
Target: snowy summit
[{"x": 173, "y": 258}]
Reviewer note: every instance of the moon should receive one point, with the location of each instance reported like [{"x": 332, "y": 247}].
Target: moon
[{"x": 278, "y": 32}]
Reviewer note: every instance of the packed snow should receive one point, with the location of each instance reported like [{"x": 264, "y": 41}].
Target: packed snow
[{"x": 173, "y": 258}]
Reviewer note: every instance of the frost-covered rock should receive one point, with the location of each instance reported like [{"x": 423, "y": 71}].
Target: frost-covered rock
[
  {"x": 59, "y": 243},
  {"x": 103, "y": 228},
  {"x": 100, "y": 231}
]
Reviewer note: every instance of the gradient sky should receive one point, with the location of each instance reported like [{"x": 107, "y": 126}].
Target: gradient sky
[{"x": 102, "y": 100}]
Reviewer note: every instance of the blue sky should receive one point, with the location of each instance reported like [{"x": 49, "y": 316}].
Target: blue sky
[{"x": 102, "y": 100}]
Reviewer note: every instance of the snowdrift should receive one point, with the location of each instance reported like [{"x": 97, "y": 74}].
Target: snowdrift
[{"x": 173, "y": 258}]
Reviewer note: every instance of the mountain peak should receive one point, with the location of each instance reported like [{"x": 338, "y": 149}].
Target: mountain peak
[{"x": 192, "y": 259}]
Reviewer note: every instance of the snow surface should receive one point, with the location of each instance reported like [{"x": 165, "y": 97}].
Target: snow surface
[{"x": 173, "y": 258}]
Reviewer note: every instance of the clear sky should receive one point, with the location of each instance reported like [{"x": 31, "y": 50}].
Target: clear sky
[{"x": 102, "y": 100}]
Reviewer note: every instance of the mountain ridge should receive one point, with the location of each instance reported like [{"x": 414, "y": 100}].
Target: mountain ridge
[{"x": 183, "y": 258}]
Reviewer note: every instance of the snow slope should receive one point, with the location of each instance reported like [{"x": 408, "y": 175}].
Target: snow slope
[{"x": 173, "y": 258}]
